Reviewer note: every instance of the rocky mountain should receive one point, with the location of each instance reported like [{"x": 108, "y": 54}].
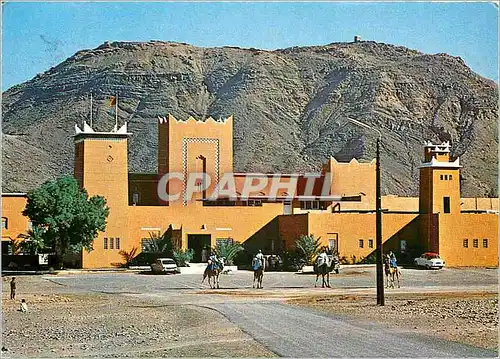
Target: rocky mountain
[{"x": 290, "y": 108}]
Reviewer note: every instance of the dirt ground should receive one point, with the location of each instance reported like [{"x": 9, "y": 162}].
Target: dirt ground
[
  {"x": 108, "y": 326},
  {"x": 466, "y": 318}
]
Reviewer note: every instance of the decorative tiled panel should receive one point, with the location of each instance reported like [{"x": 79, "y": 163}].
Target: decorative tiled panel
[{"x": 185, "y": 142}]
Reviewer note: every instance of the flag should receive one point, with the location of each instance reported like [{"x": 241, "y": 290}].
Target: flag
[{"x": 112, "y": 100}]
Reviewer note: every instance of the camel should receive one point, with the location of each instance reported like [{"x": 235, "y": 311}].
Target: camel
[
  {"x": 213, "y": 273},
  {"x": 258, "y": 272},
  {"x": 323, "y": 268}
]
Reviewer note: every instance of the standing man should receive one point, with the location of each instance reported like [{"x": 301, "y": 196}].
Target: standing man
[{"x": 13, "y": 288}]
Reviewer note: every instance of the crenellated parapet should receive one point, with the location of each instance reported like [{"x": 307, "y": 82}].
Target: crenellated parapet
[
  {"x": 438, "y": 155},
  {"x": 352, "y": 163},
  {"x": 181, "y": 144},
  {"x": 169, "y": 119},
  {"x": 88, "y": 130}
]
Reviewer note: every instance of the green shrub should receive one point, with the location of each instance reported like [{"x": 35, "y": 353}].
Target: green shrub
[
  {"x": 308, "y": 248},
  {"x": 293, "y": 260},
  {"x": 183, "y": 257},
  {"x": 371, "y": 259},
  {"x": 343, "y": 260}
]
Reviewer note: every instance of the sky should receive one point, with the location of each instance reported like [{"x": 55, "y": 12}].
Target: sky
[{"x": 37, "y": 36}]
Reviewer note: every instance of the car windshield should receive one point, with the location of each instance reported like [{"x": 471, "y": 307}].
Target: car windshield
[{"x": 168, "y": 261}]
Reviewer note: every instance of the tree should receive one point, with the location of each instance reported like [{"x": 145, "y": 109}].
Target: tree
[
  {"x": 34, "y": 242},
  {"x": 69, "y": 218},
  {"x": 308, "y": 247}
]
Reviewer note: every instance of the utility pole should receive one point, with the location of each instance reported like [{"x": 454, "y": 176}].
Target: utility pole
[
  {"x": 90, "y": 109},
  {"x": 378, "y": 231},
  {"x": 378, "y": 216}
]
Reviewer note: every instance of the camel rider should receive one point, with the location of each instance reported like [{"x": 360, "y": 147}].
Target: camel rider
[
  {"x": 323, "y": 257},
  {"x": 213, "y": 262},
  {"x": 259, "y": 259},
  {"x": 392, "y": 260}
]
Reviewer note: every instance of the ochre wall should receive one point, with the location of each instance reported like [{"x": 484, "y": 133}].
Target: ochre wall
[
  {"x": 351, "y": 227},
  {"x": 353, "y": 178},
  {"x": 17, "y": 224},
  {"x": 292, "y": 227},
  {"x": 481, "y": 204},
  {"x": 453, "y": 229},
  {"x": 396, "y": 203},
  {"x": 239, "y": 223}
]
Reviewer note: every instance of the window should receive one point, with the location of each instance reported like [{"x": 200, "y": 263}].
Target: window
[
  {"x": 485, "y": 243},
  {"x": 254, "y": 203},
  {"x": 446, "y": 177},
  {"x": 5, "y": 223},
  {"x": 446, "y": 204},
  {"x": 312, "y": 205},
  {"x": 466, "y": 243},
  {"x": 117, "y": 243},
  {"x": 332, "y": 244},
  {"x": 105, "y": 243},
  {"x": 402, "y": 245},
  {"x": 360, "y": 243},
  {"x": 370, "y": 243},
  {"x": 449, "y": 177},
  {"x": 111, "y": 240},
  {"x": 441, "y": 177},
  {"x": 475, "y": 243}
]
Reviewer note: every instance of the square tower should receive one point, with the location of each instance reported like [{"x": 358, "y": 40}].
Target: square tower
[
  {"x": 193, "y": 146},
  {"x": 101, "y": 167},
  {"x": 439, "y": 181}
]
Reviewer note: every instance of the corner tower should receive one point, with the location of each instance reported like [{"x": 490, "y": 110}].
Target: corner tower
[
  {"x": 101, "y": 167},
  {"x": 439, "y": 181}
]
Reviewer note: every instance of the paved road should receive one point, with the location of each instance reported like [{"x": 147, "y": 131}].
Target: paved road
[
  {"x": 359, "y": 278},
  {"x": 297, "y": 332}
]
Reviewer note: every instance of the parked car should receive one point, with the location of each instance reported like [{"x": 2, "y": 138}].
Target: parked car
[
  {"x": 429, "y": 260},
  {"x": 163, "y": 266}
]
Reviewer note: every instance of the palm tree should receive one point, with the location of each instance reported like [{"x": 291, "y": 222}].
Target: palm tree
[
  {"x": 308, "y": 247},
  {"x": 228, "y": 250},
  {"x": 34, "y": 241}
]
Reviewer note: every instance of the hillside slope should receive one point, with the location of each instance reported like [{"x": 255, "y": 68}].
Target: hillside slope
[{"x": 290, "y": 108}]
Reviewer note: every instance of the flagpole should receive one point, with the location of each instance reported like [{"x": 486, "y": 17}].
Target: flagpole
[
  {"x": 116, "y": 112},
  {"x": 91, "y": 109}
]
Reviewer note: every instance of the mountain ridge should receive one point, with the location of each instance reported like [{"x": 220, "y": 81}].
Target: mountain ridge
[{"x": 290, "y": 108}]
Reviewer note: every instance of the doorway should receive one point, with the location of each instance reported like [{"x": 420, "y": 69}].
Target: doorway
[
  {"x": 197, "y": 242},
  {"x": 333, "y": 242}
]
